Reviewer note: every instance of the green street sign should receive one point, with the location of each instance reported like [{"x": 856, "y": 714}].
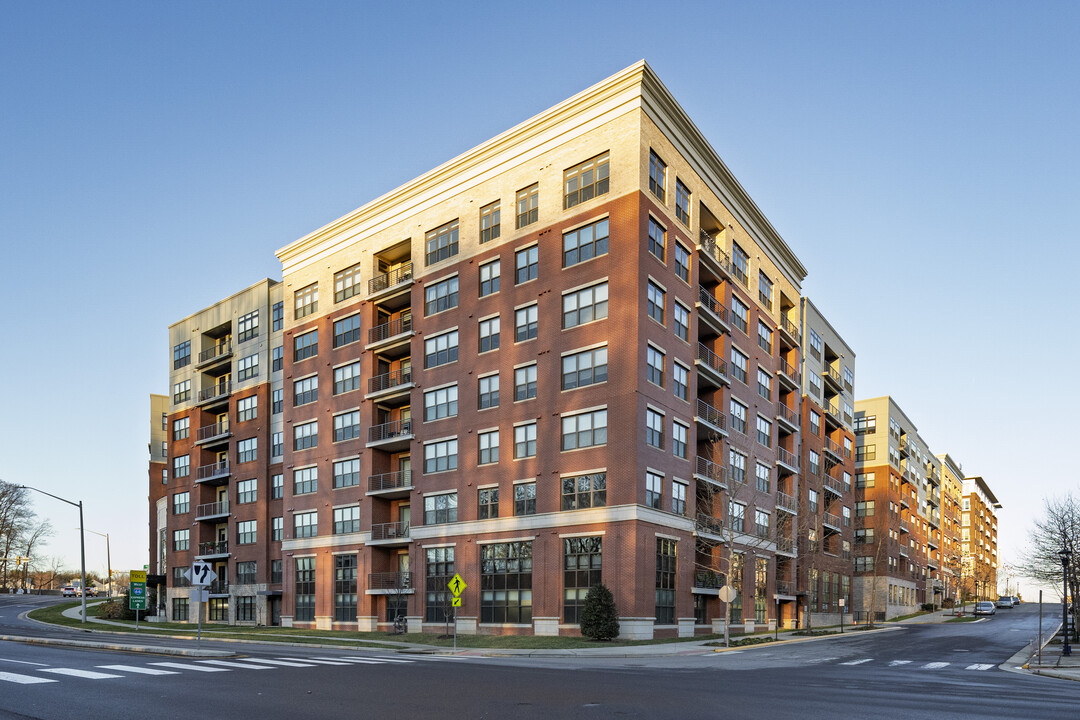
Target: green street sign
[{"x": 137, "y": 596}]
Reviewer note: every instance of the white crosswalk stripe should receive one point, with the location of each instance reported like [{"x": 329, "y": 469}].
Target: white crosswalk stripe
[
  {"x": 934, "y": 665},
  {"x": 73, "y": 672},
  {"x": 188, "y": 666},
  {"x": 316, "y": 661},
  {"x": 282, "y": 663},
  {"x": 979, "y": 666},
  {"x": 137, "y": 670},
  {"x": 858, "y": 662},
  {"x": 230, "y": 664},
  {"x": 895, "y": 663},
  {"x": 24, "y": 679},
  {"x": 382, "y": 660}
]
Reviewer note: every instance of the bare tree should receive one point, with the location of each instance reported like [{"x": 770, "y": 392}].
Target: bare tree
[
  {"x": 1057, "y": 529},
  {"x": 16, "y": 518}
]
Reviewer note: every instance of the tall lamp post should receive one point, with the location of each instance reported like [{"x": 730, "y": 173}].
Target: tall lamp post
[
  {"x": 82, "y": 541},
  {"x": 1065, "y": 554},
  {"x": 108, "y": 559}
]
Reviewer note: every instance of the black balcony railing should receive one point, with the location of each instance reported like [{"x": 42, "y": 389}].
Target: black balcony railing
[
  {"x": 790, "y": 372},
  {"x": 710, "y": 524},
  {"x": 390, "y": 380},
  {"x": 212, "y": 431},
  {"x": 785, "y": 502},
  {"x": 388, "y": 280},
  {"x": 220, "y": 350},
  {"x": 390, "y": 531},
  {"x": 390, "y": 581},
  {"x": 221, "y": 547},
  {"x": 399, "y": 480},
  {"x": 790, "y": 328},
  {"x": 397, "y": 326},
  {"x": 212, "y": 509},
  {"x": 216, "y": 390},
  {"x": 390, "y": 430},
  {"x": 712, "y": 249},
  {"x": 205, "y": 472},
  {"x": 713, "y": 471},
  {"x": 708, "y": 579},
  {"x": 711, "y": 359},
  {"x": 709, "y": 414},
  {"x": 787, "y": 457}
]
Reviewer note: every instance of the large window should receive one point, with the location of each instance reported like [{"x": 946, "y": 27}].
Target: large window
[
  {"x": 657, "y": 176},
  {"x": 682, "y": 262},
  {"x": 277, "y": 401},
  {"x": 761, "y": 579},
  {"x": 737, "y": 516},
  {"x": 181, "y": 503},
  {"x": 246, "y": 532},
  {"x": 347, "y": 426},
  {"x": 488, "y": 447},
  {"x": 181, "y": 466},
  {"x": 490, "y": 275},
  {"x": 181, "y": 355},
  {"x": 347, "y": 473},
  {"x": 678, "y": 498},
  {"x": 764, "y": 337},
  {"x": 305, "y": 589},
  {"x": 246, "y": 491},
  {"x": 306, "y": 345},
  {"x": 586, "y": 305},
  {"x": 584, "y": 368},
  {"x": 305, "y": 524},
  {"x": 305, "y": 480},
  {"x": 441, "y": 349},
  {"x": 585, "y": 181},
  {"x": 346, "y": 378},
  {"x": 584, "y": 491},
  {"x": 654, "y": 366},
  {"x": 654, "y": 490},
  {"x": 584, "y": 429},
  {"x": 306, "y": 390},
  {"x": 306, "y": 301},
  {"x": 247, "y": 367},
  {"x": 182, "y": 428},
  {"x": 180, "y": 609},
  {"x": 582, "y": 561},
  {"x": 765, "y": 290},
  {"x": 528, "y": 206},
  {"x": 738, "y": 416},
  {"x": 441, "y": 243},
  {"x": 347, "y": 330},
  {"x": 181, "y": 392},
  {"x": 181, "y": 540},
  {"x": 347, "y": 283},
  {"x": 865, "y": 452},
  {"x": 665, "y": 581},
  {"x": 441, "y": 296},
  {"x": 527, "y": 264},
  {"x": 680, "y": 435},
  {"x": 345, "y": 588},
  {"x": 525, "y": 440},
  {"x": 680, "y": 381},
  {"x": 524, "y": 499},
  {"x": 487, "y": 500},
  {"x": 490, "y": 225},
  {"x": 438, "y": 569},
  {"x": 506, "y": 583},
  {"x": 525, "y": 382},
  {"x": 439, "y": 509},
  {"x": 657, "y": 240},
  {"x": 277, "y": 529},
  {"x": 585, "y": 243},
  {"x": 681, "y": 314},
  {"x": 526, "y": 323},
  {"x": 736, "y": 466},
  {"x": 764, "y": 431},
  {"x": 654, "y": 428},
  {"x": 488, "y": 387},
  {"x": 246, "y": 572},
  {"x": 440, "y": 456},
  {"x": 740, "y": 264},
  {"x": 277, "y": 316},
  {"x": 247, "y": 326},
  {"x": 763, "y": 474},
  {"x": 655, "y": 302},
  {"x": 247, "y": 408},
  {"x": 306, "y": 435},
  {"x": 682, "y": 202},
  {"x": 764, "y": 384},
  {"x": 347, "y": 520},
  {"x": 740, "y": 315},
  {"x": 277, "y": 486}
]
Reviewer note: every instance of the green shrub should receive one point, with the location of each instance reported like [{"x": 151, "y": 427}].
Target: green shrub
[
  {"x": 599, "y": 617},
  {"x": 928, "y": 607}
]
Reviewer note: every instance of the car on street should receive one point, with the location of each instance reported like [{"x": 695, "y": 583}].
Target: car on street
[
  {"x": 67, "y": 591},
  {"x": 1016, "y": 600},
  {"x": 985, "y": 607},
  {"x": 91, "y": 592},
  {"x": 1005, "y": 601}
]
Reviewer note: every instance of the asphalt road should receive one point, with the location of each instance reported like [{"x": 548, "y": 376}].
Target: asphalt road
[{"x": 931, "y": 671}]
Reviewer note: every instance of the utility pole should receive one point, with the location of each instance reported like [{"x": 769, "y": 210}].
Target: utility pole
[{"x": 82, "y": 541}]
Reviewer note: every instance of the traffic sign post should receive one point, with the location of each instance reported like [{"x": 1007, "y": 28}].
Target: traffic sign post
[
  {"x": 841, "y": 616},
  {"x": 136, "y": 593},
  {"x": 457, "y": 586},
  {"x": 201, "y": 576},
  {"x": 727, "y": 594}
]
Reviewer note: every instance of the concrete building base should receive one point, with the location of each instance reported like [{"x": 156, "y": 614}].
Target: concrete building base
[
  {"x": 545, "y": 626},
  {"x": 367, "y": 623},
  {"x": 686, "y": 627},
  {"x": 466, "y": 625},
  {"x": 636, "y": 628}
]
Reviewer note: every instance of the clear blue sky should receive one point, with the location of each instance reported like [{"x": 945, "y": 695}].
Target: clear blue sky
[{"x": 919, "y": 157}]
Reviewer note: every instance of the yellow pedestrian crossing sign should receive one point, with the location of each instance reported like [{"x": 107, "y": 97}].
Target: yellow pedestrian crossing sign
[
  {"x": 455, "y": 602},
  {"x": 457, "y": 586}
]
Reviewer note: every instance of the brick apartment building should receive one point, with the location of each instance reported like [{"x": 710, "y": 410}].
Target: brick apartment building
[{"x": 979, "y": 539}]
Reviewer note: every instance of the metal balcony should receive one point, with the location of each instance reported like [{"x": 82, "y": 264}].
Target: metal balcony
[
  {"x": 219, "y": 587},
  {"x": 209, "y": 434},
  {"x": 213, "y": 474},
  {"x": 213, "y": 549},
  {"x": 709, "y": 525},
  {"x": 713, "y": 258},
  {"x": 788, "y": 375},
  {"x": 395, "y": 533},
  {"x": 390, "y": 383},
  {"x": 391, "y": 485},
  {"x": 833, "y": 448},
  {"x": 390, "y": 282},
  {"x": 212, "y": 355},
  {"x": 711, "y": 367},
  {"x": 831, "y": 521},
  {"x": 791, "y": 330},
  {"x": 832, "y": 413},
  {"x": 785, "y": 546},
  {"x": 710, "y": 472},
  {"x": 787, "y": 419},
  {"x": 211, "y": 511},
  {"x": 390, "y": 333},
  {"x": 833, "y": 485},
  {"x": 710, "y": 422},
  {"x": 391, "y": 436},
  {"x": 787, "y": 460},
  {"x": 390, "y": 583},
  {"x": 904, "y": 527},
  {"x": 707, "y": 582},
  {"x": 786, "y": 503},
  {"x": 215, "y": 393},
  {"x": 786, "y": 589},
  {"x": 832, "y": 378},
  {"x": 712, "y": 312}
]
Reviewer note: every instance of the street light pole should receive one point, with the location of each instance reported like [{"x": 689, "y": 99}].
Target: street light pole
[
  {"x": 1065, "y": 554},
  {"x": 82, "y": 541},
  {"x": 108, "y": 558}
]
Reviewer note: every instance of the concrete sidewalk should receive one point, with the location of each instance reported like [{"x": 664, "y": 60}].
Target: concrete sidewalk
[{"x": 1053, "y": 664}]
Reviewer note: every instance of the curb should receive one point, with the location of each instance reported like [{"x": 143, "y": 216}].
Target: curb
[{"x": 94, "y": 645}]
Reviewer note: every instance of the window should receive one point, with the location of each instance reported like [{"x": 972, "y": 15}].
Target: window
[
  {"x": 438, "y": 569},
  {"x": 245, "y": 532},
  {"x": 181, "y": 355},
  {"x": 654, "y": 490},
  {"x": 584, "y": 368},
  {"x": 346, "y": 330},
  {"x": 665, "y": 581},
  {"x": 440, "y": 456},
  {"x": 764, "y": 431},
  {"x": 655, "y": 303},
  {"x": 682, "y": 321},
  {"x": 277, "y": 486},
  {"x": 815, "y": 423},
  {"x": 657, "y": 239},
  {"x": 525, "y": 382},
  {"x": 584, "y": 491},
  {"x": 678, "y": 498},
  {"x": 527, "y": 264},
  {"x": 506, "y": 583},
  {"x": 347, "y": 473},
  {"x": 181, "y": 540},
  {"x": 304, "y": 590},
  {"x": 441, "y": 349},
  {"x": 846, "y": 512},
  {"x": 738, "y": 416},
  {"x": 740, "y": 264},
  {"x": 864, "y": 563},
  {"x": 246, "y": 491},
  {"x": 682, "y": 262},
  {"x": 488, "y": 447},
  {"x": 247, "y": 326},
  {"x": 737, "y": 513},
  {"x": 763, "y": 475},
  {"x": 864, "y": 509},
  {"x": 582, "y": 560},
  {"x": 815, "y": 344},
  {"x": 306, "y": 345},
  {"x": 347, "y": 520},
  {"x": 654, "y": 428},
  {"x": 866, "y": 452},
  {"x": 490, "y": 225},
  {"x": 181, "y": 503},
  {"x": 585, "y": 243},
  {"x": 764, "y": 384},
  {"x": 866, "y": 425},
  {"x": 181, "y": 428},
  {"x": 765, "y": 290},
  {"x": 180, "y": 609},
  {"x": 739, "y": 314},
  {"x": 654, "y": 366},
  {"x": 488, "y": 502},
  {"x": 305, "y": 391},
  {"x": 680, "y": 385},
  {"x": 583, "y": 430},
  {"x": 181, "y": 466},
  {"x": 528, "y": 206},
  {"x": 442, "y": 243},
  {"x": 680, "y": 443},
  {"x": 525, "y": 441},
  {"x": 489, "y": 277},
  {"x": 864, "y": 480},
  {"x": 657, "y": 177},
  {"x": 737, "y": 466},
  {"x": 277, "y": 401},
  {"x": 815, "y": 385},
  {"x": 524, "y": 499},
  {"x": 849, "y": 379},
  {"x": 439, "y": 509},
  {"x": 585, "y": 181},
  {"x": 347, "y": 426},
  {"x": 761, "y": 524},
  {"x": 181, "y": 391},
  {"x": 441, "y": 296},
  {"x": 305, "y": 480},
  {"x": 306, "y": 435},
  {"x": 815, "y": 462},
  {"x": 347, "y": 283},
  {"x": 277, "y": 358},
  {"x": 526, "y": 323},
  {"x": 489, "y": 392},
  {"x": 246, "y": 573},
  {"x": 277, "y": 315},
  {"x": 347, "y": 378},
  {"x": 245, "y": 607},
  {"x": 306, "y": 301},
  {"x": 682, "y": 202},
  {"x": 277, "y": 529},
  {"x": 305, "y": 524},
  {"x": 248, "y": 367},
  {"x": 440, "y": 403},
  {"x": 585, "y": 306},
  {"x": 764, "y": 337}
]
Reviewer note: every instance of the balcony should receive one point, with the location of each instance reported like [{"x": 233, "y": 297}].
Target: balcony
[
  {"x": 395, "y": 533},
  {"x": 709, "y": 525},
  {"x": 209, "y": 550},
  {"x": 710, "y": 472},
  {"x": 711, "y": 367},
  {"x": 219, "y": 588},
  {"x": 905, "y": 502},
  {"x": 831, "y": 447},
  {"x": 216, "y": 393},
  {"x": 713, "y": 258},
  {"x": 213, "y": 355},
  {"x": 788, "y": 375},
  {"x": 904, "y": 527},
  {"x": 212, "y": 511},
  {"x": 390, "y": 333},
  {"x": 903, "y": 448},
  {"x": 390, "y": 583},
  {"x": 786, "y": 503},
  {"x": 904, "y": 550},
  {"x": 832, "y": 415},
  {"x": 391, "y": 485},
  {"x": 831, "y": 521},
  {"x": 213, "y": 474},
  {"x": 831, "y": 376},
  {"x": 212, "y": 434},
  {"x": 712, "y": 313},
  {"x": 785, "y": 589},
  {"x": 392, "y": 436},
  {"x": 833, "y": 485},
  {"x": 390, "y": 283},
  {"x": 787, "y": 419},
  {"x": 787, "y": 460},
  {"x": 785, "y": 546},
  {"x": 710, "y": 422},
  {"x": 707, "y": 582},
  {"x": 389, "y": 384},
  {"x": 791, "y": 330}
]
